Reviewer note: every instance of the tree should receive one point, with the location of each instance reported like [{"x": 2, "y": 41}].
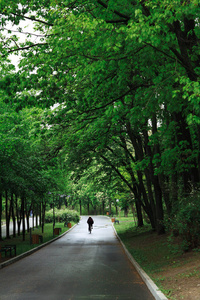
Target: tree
[{"x": 126, "y": 77}]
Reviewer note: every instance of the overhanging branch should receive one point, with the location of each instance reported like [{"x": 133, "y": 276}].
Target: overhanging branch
[
  {"x": 127, "y": 18},
  {"x": 24, "y": 48}
]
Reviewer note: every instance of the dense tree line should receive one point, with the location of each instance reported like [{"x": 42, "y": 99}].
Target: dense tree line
[
  {"x": 126, "y": 76},
  {"x": 27, "y": 175}
]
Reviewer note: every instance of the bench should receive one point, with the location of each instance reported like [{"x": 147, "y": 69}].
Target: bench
[
  {"x": 8, "y": 248},
  {"x": 116, "y": 221}
]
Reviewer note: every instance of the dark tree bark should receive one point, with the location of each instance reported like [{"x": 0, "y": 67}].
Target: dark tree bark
[
  {"x": 157, "y": 189},
  {"x": 139, "y": 213},
  {"x": 13, "y": 215},
  {"x": 23, "y": 217},
  {"x": 8, "y": 214},
  {"x": 18, "y": 215},
  {"x": 0, "y": 216}
]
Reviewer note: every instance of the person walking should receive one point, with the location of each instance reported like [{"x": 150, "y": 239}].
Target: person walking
[{"x": 90, "y": 222}]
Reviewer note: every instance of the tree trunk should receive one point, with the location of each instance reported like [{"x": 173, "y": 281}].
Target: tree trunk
[
  {"x": 184, "y": 44},
  {"x": 80, "y": 205},
  {"x": 184, "y": 140},
  {"x": 198, "y": 159},
  {"x": 33, "y": 219},
  {"x": 28, "y": 211},
  {"x": 149, "y": 205},
  {"x": 0, "y": 216},
  {"x": 7, "y": 216},
  {"x": 164, "y": 184},
  {"x": 110, "y": 209},
  {"x": 40, "y": 215},
  {"x": 139, "y": 213},
  {"x": 43, "y": 215},
  {"x": 103, "y": 207},
  {"x": 13, "y": 216},
  {"x": 23, "y": 218},
  {"x": 157, "y": 190},
  {"x": 18, "y": 215}
]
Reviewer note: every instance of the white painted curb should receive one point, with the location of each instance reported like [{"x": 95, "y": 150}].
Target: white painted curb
[{"x": 156, "y": 292}]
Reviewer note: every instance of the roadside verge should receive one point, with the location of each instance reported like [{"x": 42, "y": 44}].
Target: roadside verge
[
  {"x": 18, "y": 257},
  {"x": 156, "y": 292}
]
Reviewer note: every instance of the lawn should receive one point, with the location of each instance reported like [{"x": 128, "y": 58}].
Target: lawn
[
  {"x": 23, "y": 246},
  {"x": 176, "y": 273}
]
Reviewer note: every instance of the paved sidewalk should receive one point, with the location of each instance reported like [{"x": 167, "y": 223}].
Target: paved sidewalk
[{"x": 79, "y": 265}]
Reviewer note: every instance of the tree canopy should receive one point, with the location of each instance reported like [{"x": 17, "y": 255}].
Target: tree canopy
[{"x": 125, "y": 78}]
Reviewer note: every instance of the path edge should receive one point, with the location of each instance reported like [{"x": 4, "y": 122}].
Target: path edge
[{"x": 155, "y": 291}]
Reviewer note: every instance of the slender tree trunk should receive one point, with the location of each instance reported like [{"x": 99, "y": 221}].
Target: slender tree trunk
[
  {"x": 7, "y": 216},
  {"x": 139, "y": 213},
  {"x": 33, "y": 214},
  {"x": 80, "y": 205},
  {"x": 116, "y": 210},
  {"x": 40, "y": 215},
  {"x": 133, "y": 212},
  {"x": 149, "y": 206},
  {"x": 103, "y": 207},
  {"x": 164, "y": 184},
  {"x": 198, "y": 159},
  {"x": 88, "y": 207},
  {"x": 43, "y": 215},
  {"x": 28, "y": 211},
  {"x": 0, "y": 216},
  {"x": 126, "y": 211},
  {"x": 18, "y": 215},
  {"x": 110, "y": 208},
  {"x": 23, "y": 218},
  {"x": 27, "y": 222},
  {"x": 13, "y": 215}
]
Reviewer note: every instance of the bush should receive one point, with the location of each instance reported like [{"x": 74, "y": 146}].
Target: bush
[
  {"x": 186, "y": 223},
  {"x": 62, "y": 215}
]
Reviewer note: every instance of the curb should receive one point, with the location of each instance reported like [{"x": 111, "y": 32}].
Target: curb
[
  {"x": 155, "y": 291},
  {"x": 15, "y": 259}
]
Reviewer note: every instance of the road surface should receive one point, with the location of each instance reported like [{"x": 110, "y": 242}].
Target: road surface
[
  {"x": 3, "y": 227},
  {"x": 77, "y": 266}
]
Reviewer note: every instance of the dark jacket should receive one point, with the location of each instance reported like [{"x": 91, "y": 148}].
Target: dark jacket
[{"x": 90, "y": 221}]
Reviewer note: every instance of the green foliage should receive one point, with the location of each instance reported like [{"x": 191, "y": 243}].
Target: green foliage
[
  {"x": 185, "y": 224},
  {"x": 126, "y": 79},
  {"x": 62, "y": 215}
]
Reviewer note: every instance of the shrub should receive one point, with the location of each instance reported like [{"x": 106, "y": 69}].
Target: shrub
[
  {"x": 49, "y": 216},
  {"x": 186, "y": 223},
  {"x": 62, "y": 215}
]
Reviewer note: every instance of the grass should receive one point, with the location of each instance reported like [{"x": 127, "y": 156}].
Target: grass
[
  {"x": 158, "y": 258},
  {"x": 138, "y": 240},
  {"x": 24, "y": 246}
]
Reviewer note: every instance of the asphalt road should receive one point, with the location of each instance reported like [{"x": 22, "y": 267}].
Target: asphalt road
[
  {"x": 79, "y": 265},
  {"x": 3, "y": 227}
]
